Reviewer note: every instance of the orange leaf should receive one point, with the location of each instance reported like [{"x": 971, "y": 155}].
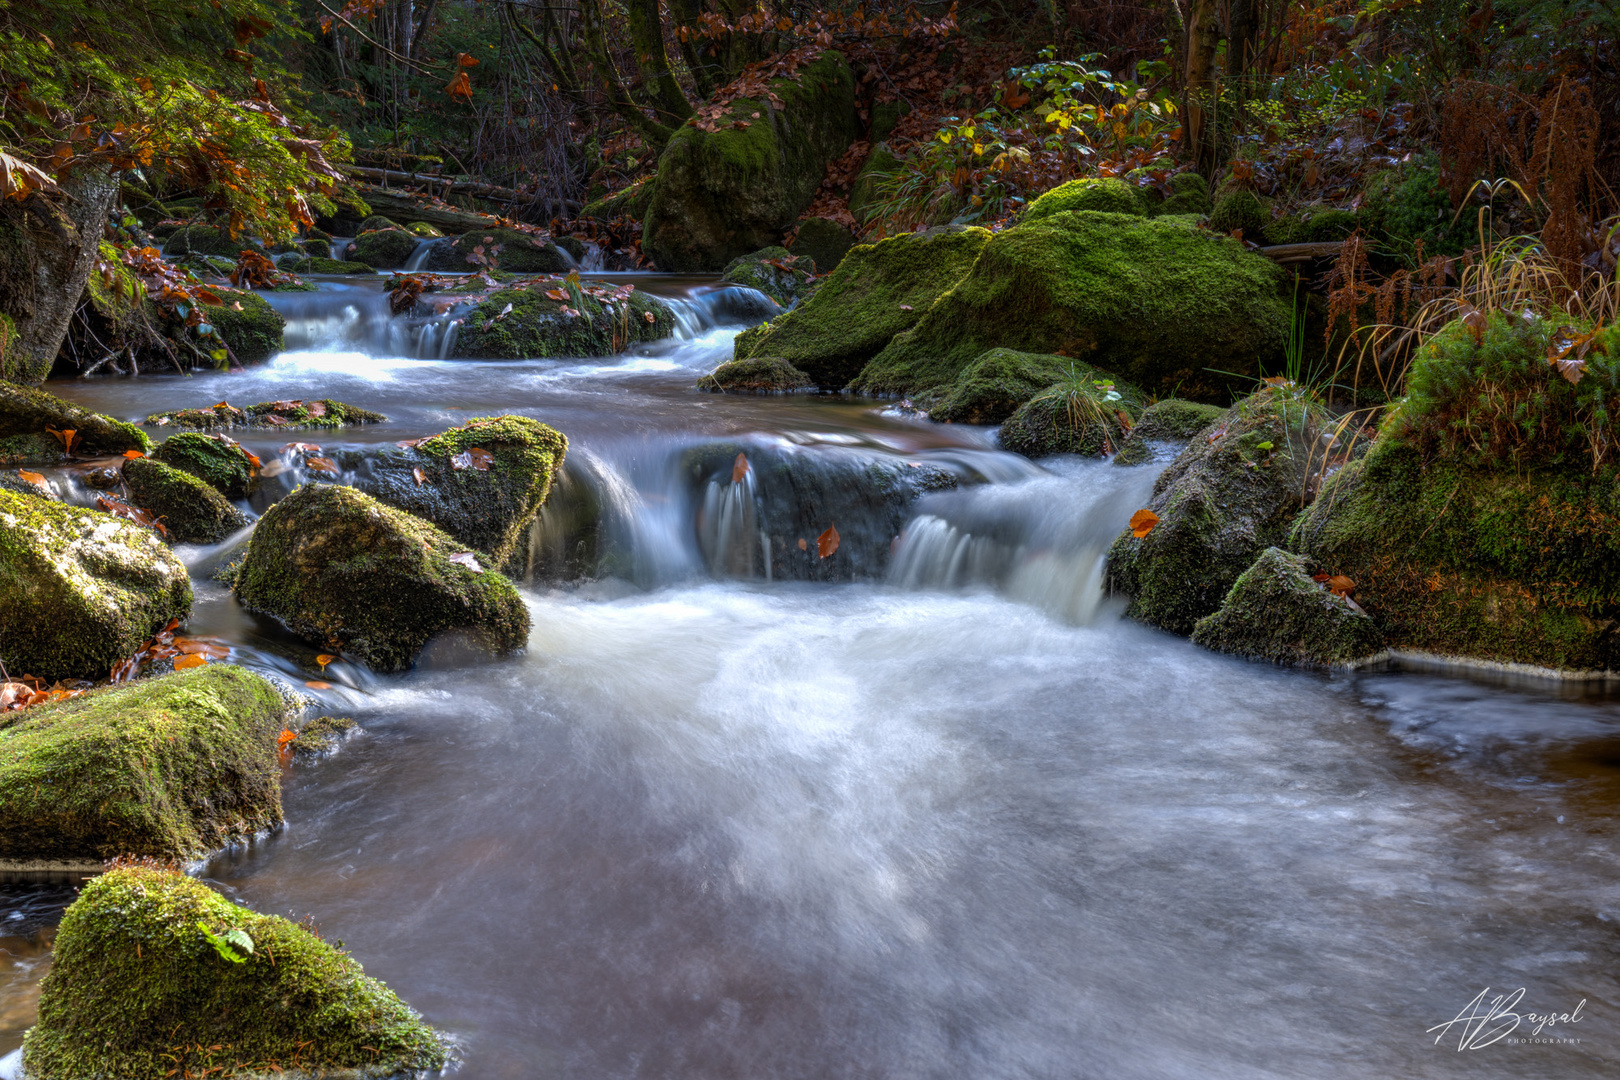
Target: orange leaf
[
  {"x": 133, "y": 454},
  {"x": 827, "y": 542},
  {"x": 190, "y": 660},
  {"x": 316, "y": 684},
  {"x": 802, "y": 545},
  {"x": 324, "y": 659},
  {"x": 65, "y": 435},
  {"x": 32, "y": 477},
  {"x": 739, "y": 469},
  {"x": 1142, "y": 523},
  {"x": 1339, "y": 585},
  {"x": 285, "y": 737},
  {"x": 321, "y": 464}
]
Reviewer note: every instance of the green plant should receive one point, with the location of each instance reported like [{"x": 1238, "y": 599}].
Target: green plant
[{"x": 228, "y": 943}]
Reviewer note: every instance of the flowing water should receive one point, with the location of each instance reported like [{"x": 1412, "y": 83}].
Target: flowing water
[{"x": 926, "y": 808}]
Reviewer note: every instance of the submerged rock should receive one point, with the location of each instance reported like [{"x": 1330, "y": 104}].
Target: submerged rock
[
  {"x": 156, "y": 975},
  {"x": 756, "y": 375},
  {"x": 386, "y": 246},
  {"x": 80, "y": 589},
  {"x": 1156, "y": 302},
  {"x": 1276, "y": 611},
  {"x": 26, "y": 415},
  {"x": 319, "y": 413},
  {"x": 1169, "y": 421},
  {"x": 878, "y": 291},
  {"x": 192, "y": 511},
  {"x": 524, "y": 323},
  {"x": 774, "y": 271},
  {"x": 321, "y": 737},
  {"x": 174, "y": 768},
  {"x": 216, "y": 460},
  {"x": 349, "y": 572}
]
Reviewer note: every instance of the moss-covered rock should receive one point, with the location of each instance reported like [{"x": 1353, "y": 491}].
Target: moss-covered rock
[
  {"x": 1169, "y": 421},
  {"x": 388, "y": 247},
  {"x": 774, "y": 271},
  {"x": 207, "y": 240},
  {"x": 863, "y": 194},
  {"x": 316, "y": 413},
  {"x": 1087, "y": 413},
  {"x": 1159, "y": 304},
  {"x": 630, "y": 203},
  {"x": 172, "y": 768},
  {"x": 878, "y": 291},
  {"x": 1189, "y": 194},
  {"x": 349, "y": 572},
  {"x": 736, "y": 189},
  {"x": 376, "y": 222},
  {"x": 1110, "y": 195},
  {"x": 319, "y": 264},
  {"x": 1240, "y": 209},
  {"x": 524, "y": 323},
  {"x": 822, "y": 241},
  {"x": 321, "y": 737},
  {"x": 423, "y": 231},
  {"x": 1407, "y": 203},
  {"x": 140, "y": 990},
  {"x": 248, "y": 324},
  {"x": 1276, "y": 611},
  {"x": 1229, "y": 495},
  {"x": 80, "y": 589},
  {"x": 12, "y": 480},
  {"x": 756, "y": 375},
  {"x": 502, "y": 249},
  {"x": 996, "y": 383},
  {"x": 192, "y": 511},
  {"x": 216, "y": 460},
  {"x": 487, "y": 508},
  {"x": 26, "y": 415}
]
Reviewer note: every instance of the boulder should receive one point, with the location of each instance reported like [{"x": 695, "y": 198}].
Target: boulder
[
  {"x": 389, "y": 247},
  {"x": 1154, "y": 301},
  {"x": 503, "y": 249},
  {"x": 217, "y": 460},
  {"x": 80, "y": 589},
  {"x": 1163, "y": 423},
  {"x": 248, "y": 324},
  {"x": 423, "y": 231},
  {"x": 523, "y": 323},
  {"x": 823, "y": 241},
  {"x": 878, "y": 291},
  {"x": 26, "y": 415},
  {"x": 1189, "y": 194},
  {"x": 725, "y": 192},
  {"x": 756, "y": 375},
  {"x": 321, "y": 737},
  {"x": 995, "y": 384},
  {"x": 1228, "y": 496},
  {"x": 774, "y": 271},
  {"x": 297, "y": 414},
  {"x": 171, "y": 768},
  {"x": 375, "y": 222},
  {"x": 156, "y": 975},
  {"x": 1087, "y": 413},
  {"x": 1240, "y": 210},
  {"x": 1276, "y": 611},
  {"x": 208, "y": 240},
  {"x": 1110, "y": 195},
  {"x": 192, "y": 511},
  {"x": 319, "y": 264},
  {"x": 863, "y": 194},
  {"x": 353, "y": 574}
]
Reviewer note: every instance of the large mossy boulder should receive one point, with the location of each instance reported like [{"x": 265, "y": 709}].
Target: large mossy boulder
[
  {"x": 1162, "y": 305},
  {"x": 1107, "y": 194},
  {"x": 79, "y": 589},
  {"x": 171, "y": 768},
  {"x": 1485, "y": 520},
  {"x": 524, "y": 323},
  {"x": 1277, "y": 611},
  {"x": 192, "y": 511},
  {"x": 248, "y": 324},
  {"x": 725, "y": 192},
  {"x": 319, "y": 264},
  {"x": 1087, "y": 414},
  {"x": 878, "y": 291},
  {"x": 156, "y": 975},
  {"x": 217, "y": 460},
  {"x": 28, "y": 415},
  {"x": 387, "y": 246},
  {"x": 774, "y": 271},
  {"x": 500, "y": 249},
  {"x": 1232, "y": 493},
  {"x": 353, "y": 574}
]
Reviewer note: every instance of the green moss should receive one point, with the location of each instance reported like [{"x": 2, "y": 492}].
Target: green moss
[
  {"x": 192, "y": 511},
  {"x": 1227, "y": 497},
  {"x": 174, "y": 768},
  {"x": 375, "y": 222},
  {"x": 28, "y": 413},
  {"x": 1240, "y": 209},
  {"x": 321, "y": 737},
  {"x": 250, "y": 326},
  {"x": 774, "y": 271},
  {"x": 80, "y": 589},
  {"x": 505, "y": 249},
  {"x": 1406, "y": 204},
  {"x": 423, "y": 231},
  {"x": 319, "y": 264},
  {"x": 224, "y": 417},
  {"x": 536, "y": 325},
  {"x": 137, "y": 991},
  {"x": 1111, "y": 195},
  {"x": 756, "y": 375},
  {"x": 389, "y": 247},
  {"x": 1170, "y": 420},
  {"x": 1277, "y": 612},
  {"x": 207, "y": 240},
  {"x": 878, "y": 291},
  {"x": 1189, "y": 194},
  {"x": 630, "y": 203},
  {"x": 1330, "y": 224},
  {"x": 346, "y": 571},
  {"x": 1080, "y": 415},
  {"x": 863, "y": 194},
  {"x": 1162, "y": 306},
  {"x": 824, "y": 242},
  {"x": 215, "y": 459},
  {"x": 996, "y": 383}
]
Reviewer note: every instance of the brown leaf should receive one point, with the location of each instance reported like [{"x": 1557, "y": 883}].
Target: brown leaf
[
  {"x": 301, "y": 447},
  {"x": 481, "y": 459},
  {"x": 827, "y": 542},
  {"x": 317, "y": 408},
  {"x": 802, "y": 545},
  {"x": 1339, "y": 585},
  {"x": 321, "y": 464},
  {"x": 37, "y": 479},
  {"x": 190, "y": 660},
  {"x": 461, "y": 461},
  {"x": 739, "y": 469},
  {"x": 1142, "y": 523},
  {"x": 421, "y": 477},
  {"x": 467, "y": 559}
]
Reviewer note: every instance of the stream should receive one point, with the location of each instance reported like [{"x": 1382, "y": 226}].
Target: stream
[{"x": 928, "y": 808}]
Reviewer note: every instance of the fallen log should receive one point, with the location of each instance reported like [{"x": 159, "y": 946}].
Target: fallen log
[
  {"x": 1292, "y": 253},
  {"x": 404, "y": 208},
  {"x": 443, "y": 185}
]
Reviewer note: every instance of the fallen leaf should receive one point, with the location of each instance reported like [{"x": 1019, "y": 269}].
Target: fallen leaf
[
  {"x": 802, "y": 545},
  {"x": 316, "y": 408},
  {"x": 321, "y": 464},
  {"x": 301, "y": 447},
  {"x": 1339, "y": 585},
  {"x": 190, "y": 660},
  {"x": 33, "y": 478},
  {"x": 481, "y": 459},
  {"x": 461, "y": 461},
  {"x": 324, "y": 659},
  {"x": 316, "y": 684},
  {"x": 285, "y": 737},
  {"x": 421, "y": 477},
  {"x": 827, "y": 542},
  {"x": 214, "y": 650},
  {"x": 65, "y": 435},
  {"x": 467, "y": 559},
  {"x": 1142, "y": 523},
  {"x": 739, "y": 469},
  {"x": 133, "y": 454}
]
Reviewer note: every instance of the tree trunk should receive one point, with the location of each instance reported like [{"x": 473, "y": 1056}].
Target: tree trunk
[
  {"x": 46, "y": 255},
  {"x": 647, "y": 41},
  {"x": 1203, "y": 38}
]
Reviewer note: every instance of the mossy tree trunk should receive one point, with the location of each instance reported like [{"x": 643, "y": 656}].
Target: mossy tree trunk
[{"x": 1203, "y": 39}]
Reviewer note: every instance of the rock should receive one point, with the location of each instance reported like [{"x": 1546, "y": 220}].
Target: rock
[
  {"x": 175, "y": 768},
  {"x": 1407, "y": 202},
  {"x": 375, "y": 222},
  {"x": 26, "y": 414},
  {"x": 630, "y": 203},
  {"x": 823, "y": 242},
  {"x": 298, "y": 414},
  {"x": 504, "y": 249},
  {"x": 193, "y": 512},
  {"x": 1080, "y": 415},
  {"x": 774, "y": 271},
  {"x": 13, "y": 481},
  {"x": 995, "y": 384},
  {"x": 863, "y": 194},
  {"x": 389, "y": 248},
  {"x": 607, "y": 321},
  {"x": 886, "y": 116},
  {"x": 217, "y": 460},
  {"x": 1226, "y": 498},
  {"x": 1277, "y": 612},
  {"x": 207, "y": 240},
  {"x": 80, "y": 589},
  {"x": 423, "y": 231},
  {"x": 1110, "y": 195},
  {"x": 1189, "y": 195},
  {"x": 321, "y": 737},
  {"x": 488, "y": 509},
  {"x": 1169, "y": 421},
  {"x": 878, "y": 291},
  {"x": 723, "y": 193},
  {"x": 1155, "y": 302},
  {"x": 756, "y": 375},
  {"x": 317, "y": 264},
  {"x": 141, "y": 987},
  {"x": 351, "y": 573},
  {"x": 248, "y": 324},
  {"x": 1240, "y": 209}
]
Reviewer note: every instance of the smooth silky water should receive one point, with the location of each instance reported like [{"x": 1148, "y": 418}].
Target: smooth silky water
[{"x": 961, "y": 821}]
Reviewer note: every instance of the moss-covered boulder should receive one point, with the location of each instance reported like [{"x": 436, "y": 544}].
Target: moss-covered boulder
[
  {"x": 1108, "y": 194},
  {"x": 996, "y": 383},
  {"x": 350, "y": 572},
  {"x": 1163, "y": 423},
  {"x": 12, "y": 480},
  {"x": 1229, "y": 495},
  {"x": 174, "y": 768},
  {"x": 208, "y": 240},
  {"x": 1189, "y": 194},
  {"x": 217, "y": 460},
  {"x": 376, "y": 222},
  {"x": 319, "y": 264},
  {"x": 295, "y": 414},
  {"x": 756, "y": 375},
  {"x": 1243, "y": 210},
  {"x": 80, "y": 589},
  {"x": 27, "y": 415},
  {"x": 321, "y": 737},
  {"x": 1407, "y": 203},
  {"x": 774, "y": 271},
  {"x": 483, "y": 482},
  {"x": 1159, "y": 304},
  {"x": 192, "y": 511},
  {"x": 389, "y": 247},
  {"x": 423, "y": 231},
  {"x": 501, "y": 249},
  {"x": 1087, "y": 413},
  {"x": 156, "y": 975},
  {"x": 597, "y": 320},
  {"x": 737, "y": 188},
  {"x": 1277, "y": 611},
  {"x": 864, "y": 194},
  {"x": 630, "y": 203},
  {"x": 878, "y": 291},
  {"x": 248, "y": 324},
  {"x": 822, "y": 241}
]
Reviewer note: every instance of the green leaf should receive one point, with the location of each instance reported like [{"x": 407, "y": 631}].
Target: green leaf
[
  {"x": 1263, "y": 446},
  {"x": 226, "y": 944}
]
